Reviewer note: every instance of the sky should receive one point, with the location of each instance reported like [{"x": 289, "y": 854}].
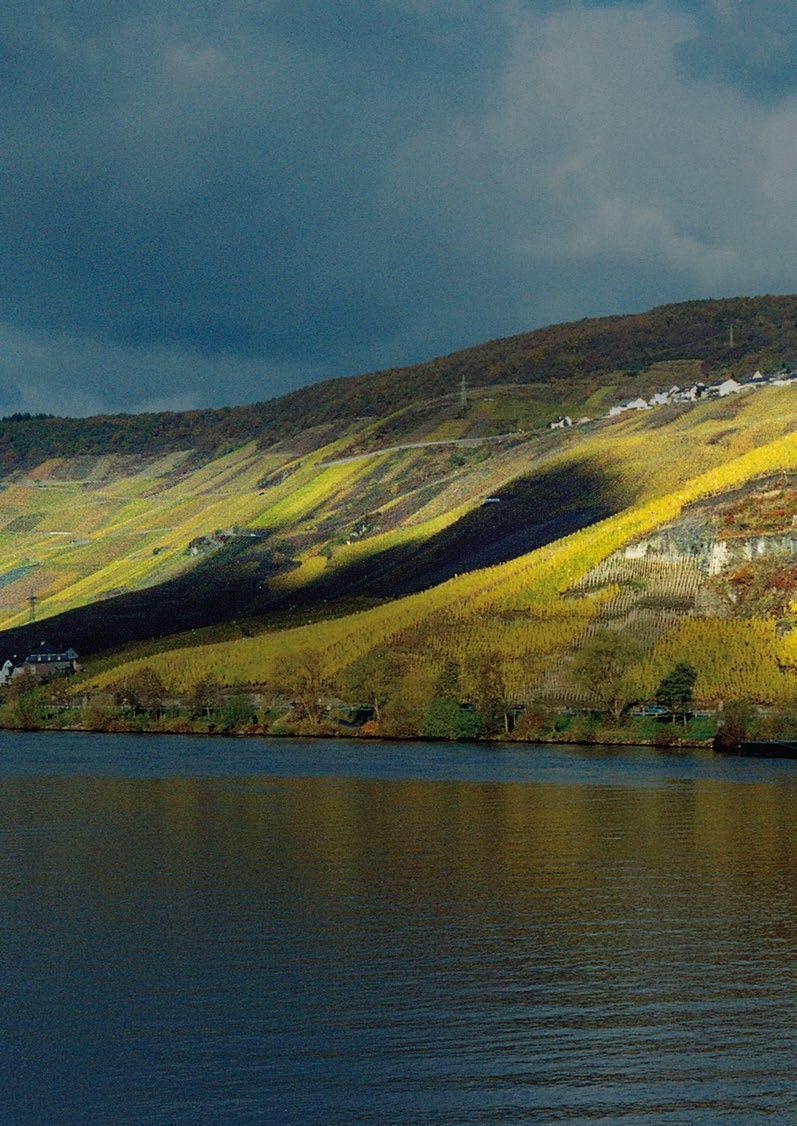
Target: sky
[{"x": 209, "y": 202}]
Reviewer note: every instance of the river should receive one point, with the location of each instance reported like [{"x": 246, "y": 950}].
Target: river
[{"x": 251, "y": 931}]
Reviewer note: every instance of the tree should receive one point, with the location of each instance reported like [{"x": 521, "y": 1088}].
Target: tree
[
  {"x": 490, "y": 695},
  {"x": 306, "y": 680},
  {"x": 603, "y": 666},
  {"x": 237, "y": 711},
  {"x": 448, "y": 681},
  {"x": 205, "y": 697},
  {"x": 142, "y": 690},
  {"x": 23, "y": 702},
  {"x": 676, "y": 689},
  {"x": 373, "y": 679},
  {"x": 468, "y": 724},
  {"x": 404, "y": 713},
  {"x": 21, "y": 685},
  {"x": 441, "y": 720},
  {"x": 737, "y": 718}
]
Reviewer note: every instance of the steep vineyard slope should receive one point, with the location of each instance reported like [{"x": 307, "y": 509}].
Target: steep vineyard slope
[
  {"x": 528, "y": 614},
  {"x": 123, "y": 549}
]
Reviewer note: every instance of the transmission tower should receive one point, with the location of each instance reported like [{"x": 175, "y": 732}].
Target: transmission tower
[
  {"x": 463, "y": 394},
  {"x": 32, "y": 601},
  {"x": 730, "y": 336}
]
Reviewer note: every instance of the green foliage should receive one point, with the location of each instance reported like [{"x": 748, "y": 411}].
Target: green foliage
[
  {"x": 583, "y": 729},
  {"x": 24, "y": 706},
  {"x": 603, "y": 667},
  {"x": 676, "y": 689},
  {"x": 447, "y": 719},
  {"x": 468, "y": 725},
  {"x": 237, "y": 711},
  {"x": 441, "y": 720}
]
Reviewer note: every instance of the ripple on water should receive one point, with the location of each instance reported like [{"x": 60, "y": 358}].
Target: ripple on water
[{"x": 520, "y": 942}]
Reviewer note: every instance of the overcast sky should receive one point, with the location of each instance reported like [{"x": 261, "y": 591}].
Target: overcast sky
[{"x": 214, "y": 201}]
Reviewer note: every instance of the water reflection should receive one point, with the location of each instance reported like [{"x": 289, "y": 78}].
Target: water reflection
[{"x": 325, "y": 949}]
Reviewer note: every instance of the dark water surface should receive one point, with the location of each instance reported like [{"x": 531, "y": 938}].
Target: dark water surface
[{"x": 224, "y": 931}]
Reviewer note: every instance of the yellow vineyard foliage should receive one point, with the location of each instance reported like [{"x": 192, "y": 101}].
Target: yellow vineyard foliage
[{"x": 520, "y": 611}]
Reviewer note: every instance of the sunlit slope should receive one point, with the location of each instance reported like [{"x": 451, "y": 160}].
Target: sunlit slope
[
  {"x": 521, "y": 614},
  {"x": 71, "y": 540},
  {"x": 74, "y": 531}
]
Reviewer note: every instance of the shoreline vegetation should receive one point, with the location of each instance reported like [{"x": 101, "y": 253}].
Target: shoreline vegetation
[
  {"x": 261, "y": 733},
  {"x": 435, "y": 711}
]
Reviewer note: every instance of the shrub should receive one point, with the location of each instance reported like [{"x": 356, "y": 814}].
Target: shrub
[
  {"x": 737, "y": 719},
  {"x": 441, "y": 720}
]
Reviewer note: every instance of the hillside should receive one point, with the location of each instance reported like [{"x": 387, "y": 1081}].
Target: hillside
[
  {"x": 564, "y": 363},
  {"x": 438, "y": 531},
  {"x": 528, "y": 614}
]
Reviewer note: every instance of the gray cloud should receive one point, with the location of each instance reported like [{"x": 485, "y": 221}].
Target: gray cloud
[{"x": 216, "y": 202}]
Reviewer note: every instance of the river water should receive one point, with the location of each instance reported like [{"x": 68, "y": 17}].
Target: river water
[{"x": 225, "y": 931}]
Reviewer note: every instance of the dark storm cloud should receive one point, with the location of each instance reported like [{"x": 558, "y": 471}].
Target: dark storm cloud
[{"x": 214, "y": 202}]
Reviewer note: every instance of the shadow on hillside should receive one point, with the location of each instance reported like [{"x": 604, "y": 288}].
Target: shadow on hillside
[{"x": 529, "y": 513}]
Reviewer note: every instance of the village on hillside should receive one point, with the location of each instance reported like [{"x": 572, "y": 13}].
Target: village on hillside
[{"x": 697, "y": 392}]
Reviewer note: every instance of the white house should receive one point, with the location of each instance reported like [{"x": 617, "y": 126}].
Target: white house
[
  {"x": 637, "y": 405},
  {"x": 728, "y": 387},
  {"x": 561, "y": 423},
  {"x": 43, "y": 664},
  {"x": 690, "y": 394}
]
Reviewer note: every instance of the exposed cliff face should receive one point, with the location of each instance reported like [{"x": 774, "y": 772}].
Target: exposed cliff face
[
  {"x": 756, "y": 523},
  {"x": 711, "y": 553},
  {"x": 734, "y": 555}
]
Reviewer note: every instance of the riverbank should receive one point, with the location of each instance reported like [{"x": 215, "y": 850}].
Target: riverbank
[{"x": 166, "y": 726}]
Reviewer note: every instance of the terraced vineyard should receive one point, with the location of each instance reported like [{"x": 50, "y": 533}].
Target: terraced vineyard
[{"x": 529, "y": 613}]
